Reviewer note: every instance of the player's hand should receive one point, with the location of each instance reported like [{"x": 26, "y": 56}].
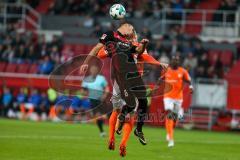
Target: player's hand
[
  {"x": 191, "y": 89},
  {"x": 144, "y": 41},
  {"x": 83, "y": 69}
]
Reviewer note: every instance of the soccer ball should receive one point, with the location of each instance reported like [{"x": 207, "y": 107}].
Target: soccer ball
[{"x": 117, "y": 11}]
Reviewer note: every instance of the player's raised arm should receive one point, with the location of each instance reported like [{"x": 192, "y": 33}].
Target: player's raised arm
[{"x": 93, "y": 52}]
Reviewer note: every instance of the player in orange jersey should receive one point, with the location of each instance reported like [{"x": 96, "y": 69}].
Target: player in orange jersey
[
  {"x": 175, "y": 76},
  {"x": 118, "y": 102}
]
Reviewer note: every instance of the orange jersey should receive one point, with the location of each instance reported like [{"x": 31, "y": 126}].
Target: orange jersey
[
  {"x": 176, "y": 78},
  {"x": 141, "y": 59}
]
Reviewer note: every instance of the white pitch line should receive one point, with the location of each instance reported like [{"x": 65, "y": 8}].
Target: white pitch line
[{"x": 81, "y": 138}]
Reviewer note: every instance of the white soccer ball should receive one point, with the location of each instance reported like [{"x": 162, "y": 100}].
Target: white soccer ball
[{"x": 117, "y": 11}]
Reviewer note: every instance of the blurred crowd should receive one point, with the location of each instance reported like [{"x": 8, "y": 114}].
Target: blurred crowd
[
  {"x": 194, "y": 56},
  {"x": 39, "y": 105},
  {"x": 231, "y": 7},
  {"x": 28, "y": 48},
  {"x": 135, "y": 8}
]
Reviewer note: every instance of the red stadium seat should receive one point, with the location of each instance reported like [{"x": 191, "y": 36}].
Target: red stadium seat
[
  {"x": 11, "y": 68},
  {"x": 79, "y": 49},
  {"x": 67, "y": 46},
  {"x": 213, "y": 55},
  {"x": 2, "y": 66},
  {"x": 23, "y": 68},
  {"x": 226, "y": 57},
  {"x": 88, "y": 48},
  {"x": 33, "y": 69}
]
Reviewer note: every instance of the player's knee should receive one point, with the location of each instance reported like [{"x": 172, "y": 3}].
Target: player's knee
[{"x": 171, "y": 115}]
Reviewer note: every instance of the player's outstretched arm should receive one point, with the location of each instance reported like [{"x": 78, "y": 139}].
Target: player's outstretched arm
[{"x": 93, "y": 52}]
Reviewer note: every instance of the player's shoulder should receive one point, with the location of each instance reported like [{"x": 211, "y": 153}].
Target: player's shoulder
[
  {"x": 107, "y": 34},
  {"x": 181, "y": 69}
]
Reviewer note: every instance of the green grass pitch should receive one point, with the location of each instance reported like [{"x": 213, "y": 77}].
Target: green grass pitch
[{"x": 23, "y": 140}]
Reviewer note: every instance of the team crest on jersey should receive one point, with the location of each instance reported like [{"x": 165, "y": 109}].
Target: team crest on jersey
[
  {"x": 103, "y": 36},
  {"x": 179, "y": 75}
]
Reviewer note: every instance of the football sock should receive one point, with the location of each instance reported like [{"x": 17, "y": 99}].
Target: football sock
[
  {"x": 100, "y": 125},
  {"x": 127, "y": 128},
  {"x": 112, "y": 123},
  {"x": 170, "y": 128}
]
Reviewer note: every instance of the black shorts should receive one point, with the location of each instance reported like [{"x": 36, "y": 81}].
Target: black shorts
[{"x": 130, "y": 83}]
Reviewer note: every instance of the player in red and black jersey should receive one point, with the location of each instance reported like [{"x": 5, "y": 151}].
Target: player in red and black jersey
[{"x": 126, "y": 74}]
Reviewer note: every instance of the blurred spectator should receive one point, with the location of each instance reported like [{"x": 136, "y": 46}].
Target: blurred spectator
[
  {"x": 164, "y": 58},
  {"x": 9, "y": 54},
  {"x": 21, "y": 53},
  {"x": 85, "y": 102},
  {"x": 218, "y": 67},
  {"x": 158, "y": 49},
  {"x": 55, "y": 54},
  {"x": 52, "y": 96},
  {"x": 203, "y": 65},
  {"x": 98, "y": 32},
  {"x": 32, "y": 56},
  {"x": 7, "y": 102},
  {"x": 35, "y": 98},
  {"x": 175, "y": 47},
  {"x": 198, "y": 49},
  {"x": 190, "y": 63},
  {"x": 186, "y": 49},
  {"x": 34, "y": 102},
  {"x": 146, "y": 33},
  {"x": 88, "y": 22},
  {"x": 44, "y": 106},
  {"x": 67, "y": 55},
  {"x": 177, "y": 6},
  {"x": 20, "y": 99},
  {"x": 56, "y": 42},
  {"x": 76, "y": 103},
  {"x": 46, "y": 66}
]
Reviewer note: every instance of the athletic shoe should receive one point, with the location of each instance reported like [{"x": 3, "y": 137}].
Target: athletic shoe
[
  {"x": 102, "y": 134},
  {"x": 111, "y": 145},
  {"x": 119, "y": 132},
  {"x": 171, "y": 143},
  {"x": 140, "y": 136},
  {"x": 122, "y": 151}
]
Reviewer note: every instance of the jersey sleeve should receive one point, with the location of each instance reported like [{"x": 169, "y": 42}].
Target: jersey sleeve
[
  {"x": 149, "y": 59},
  {"x": 102, "y": 53},
  {"x": 106, "y": 37},
  {"x": 104, "y": 82},
  {"x": 186, "y": 76}
]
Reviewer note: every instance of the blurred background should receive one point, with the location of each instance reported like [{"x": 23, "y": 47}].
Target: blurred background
[{"x": 37, "y": 36}]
